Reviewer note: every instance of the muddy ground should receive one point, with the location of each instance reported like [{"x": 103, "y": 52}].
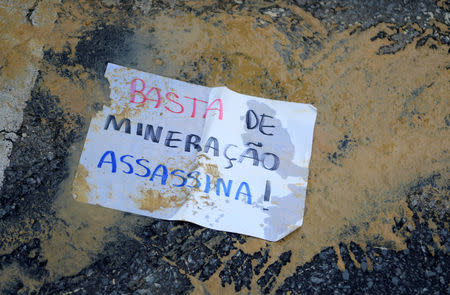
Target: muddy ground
[{"x": 377, "y": 207}]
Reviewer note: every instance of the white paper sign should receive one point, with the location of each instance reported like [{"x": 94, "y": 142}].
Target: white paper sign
[{"x": 178, "y": 151}]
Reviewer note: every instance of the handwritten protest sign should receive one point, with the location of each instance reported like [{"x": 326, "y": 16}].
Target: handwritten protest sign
[{"x": 178, "y": 151}]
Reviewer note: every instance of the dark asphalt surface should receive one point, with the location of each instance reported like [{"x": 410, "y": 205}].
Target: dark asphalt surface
[{"x": 157, "y": 261}]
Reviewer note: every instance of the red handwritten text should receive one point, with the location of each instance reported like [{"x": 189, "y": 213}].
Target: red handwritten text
[{"x": 140, "y": 94}]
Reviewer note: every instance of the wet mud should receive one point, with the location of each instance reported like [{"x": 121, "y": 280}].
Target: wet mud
[{"x": 377, "y": 207}]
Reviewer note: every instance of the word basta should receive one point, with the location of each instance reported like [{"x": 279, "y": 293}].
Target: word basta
[{"x": 140, "y": 94}]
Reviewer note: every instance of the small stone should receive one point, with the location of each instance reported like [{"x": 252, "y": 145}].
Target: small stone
[
  {"x": 149, "y": 279},
  {"x": 50, "y": 156},
  {"x": 322, "y": 256},
  {"x": 158, "y": 61},
  {"x": 316, "y": 280},
  {"x": 36, "y": 226},
  {"x": 345, "y": 275},
  {"x": 364, "y": 266},
  {"x": 270, "y": 13},
  {"x": 395, "y": 281}
]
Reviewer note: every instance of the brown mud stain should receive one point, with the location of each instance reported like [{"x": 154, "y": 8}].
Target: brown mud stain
[
  {"x": 340, "y": 262},
  {"x": 154, "y": 201},
  {"x": 22, "y": 41},
  {"x": 79, "y": 231},
  {"x": 75, "y": 242},
  {"x": 127, "y": 110},
  {"x": 213, "y": 171},
  {"x": 16, "y": 272},
  {"x": 80, "y": 185},
  {"x": 77, "y": 94}
]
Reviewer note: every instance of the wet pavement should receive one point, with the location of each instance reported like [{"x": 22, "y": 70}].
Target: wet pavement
[{"x": 377, "y": 208}]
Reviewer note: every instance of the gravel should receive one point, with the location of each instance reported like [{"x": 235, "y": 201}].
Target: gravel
[
  {"x": 422, "y": 268},
  {"x": 342, "y": 14}
]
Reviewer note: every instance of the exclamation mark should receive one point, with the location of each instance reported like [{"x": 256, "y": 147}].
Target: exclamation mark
[{"x": 267, "y": 195}]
